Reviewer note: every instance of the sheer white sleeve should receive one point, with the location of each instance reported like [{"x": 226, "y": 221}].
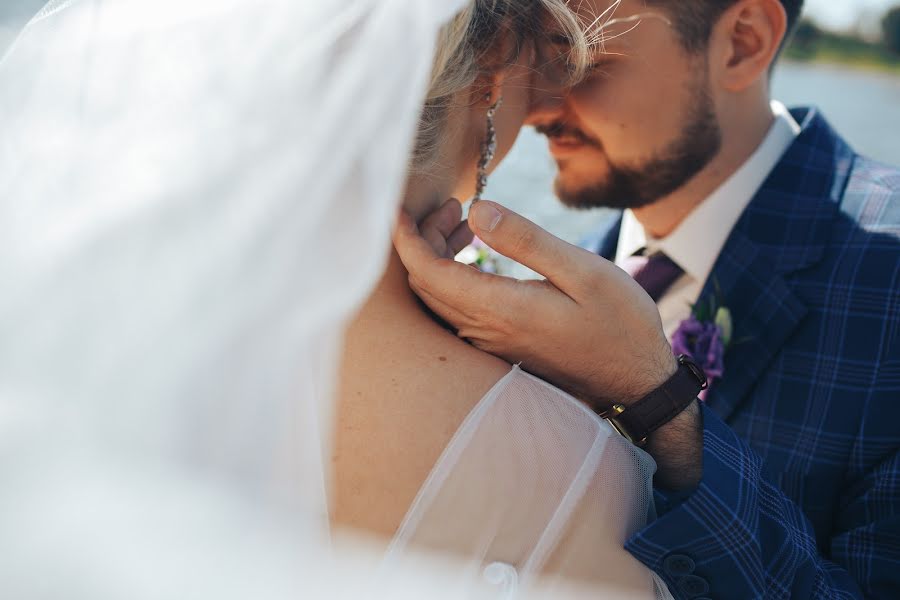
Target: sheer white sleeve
[{"x": 533, "y": 484}]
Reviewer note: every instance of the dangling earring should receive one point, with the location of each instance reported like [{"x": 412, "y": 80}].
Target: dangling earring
[{"x": 488, "y": 149}]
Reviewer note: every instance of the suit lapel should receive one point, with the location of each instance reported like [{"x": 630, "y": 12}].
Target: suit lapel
[
  {"x": 784, "y": 229},
  {"x": 765, "y": 313},
  {"x": 610, "y": 242},
  {"x": 606, "y": 241}
]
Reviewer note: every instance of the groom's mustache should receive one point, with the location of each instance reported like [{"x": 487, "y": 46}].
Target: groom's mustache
[{"x": 561, "y": 130}]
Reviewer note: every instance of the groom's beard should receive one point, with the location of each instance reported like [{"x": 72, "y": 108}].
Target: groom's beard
[{"x": 637, "y": 185}]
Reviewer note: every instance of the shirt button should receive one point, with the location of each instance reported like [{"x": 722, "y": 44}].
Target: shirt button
[
  {"x": 693, "y": 585},
  {"x": 678, "y": 565}
]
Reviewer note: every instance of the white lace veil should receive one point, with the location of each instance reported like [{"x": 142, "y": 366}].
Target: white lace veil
[
  {"x": 176, "y": 265},
  {"x": 194, "y": 197}
]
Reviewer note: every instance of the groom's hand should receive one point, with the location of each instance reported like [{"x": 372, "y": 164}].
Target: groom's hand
[{"x": 588, "y": 328}]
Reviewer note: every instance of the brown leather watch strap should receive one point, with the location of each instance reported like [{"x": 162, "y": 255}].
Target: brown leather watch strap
[{"x": 637, "y": 421}]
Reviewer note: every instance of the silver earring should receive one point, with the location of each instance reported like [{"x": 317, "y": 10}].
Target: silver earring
[{"x": 488, "y": 149}]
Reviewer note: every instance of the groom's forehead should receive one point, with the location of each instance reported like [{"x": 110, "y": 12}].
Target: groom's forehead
[
  {"x": 612, "y": 19},
  {"x": 606, "y": 9}
]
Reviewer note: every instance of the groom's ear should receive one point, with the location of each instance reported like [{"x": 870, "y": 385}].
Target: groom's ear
[{"x": 746, "y": 41}]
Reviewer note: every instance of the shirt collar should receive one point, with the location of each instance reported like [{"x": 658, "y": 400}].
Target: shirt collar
[
  {"x": 632, "y": 237},
  {"x": 697, "y": 241}
]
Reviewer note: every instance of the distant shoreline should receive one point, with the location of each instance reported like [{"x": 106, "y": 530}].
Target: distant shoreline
[
  {"x": 851, "y": 63},
  {"x": 812, "y": 44}
]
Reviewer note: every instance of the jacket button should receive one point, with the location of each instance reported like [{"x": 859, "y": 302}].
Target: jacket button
[
  {"x": 678, "y": 565},
  {"x": 693, "y": 585}
]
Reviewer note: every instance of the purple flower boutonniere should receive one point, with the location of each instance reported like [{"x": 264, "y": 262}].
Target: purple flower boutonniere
[{"x": 705, "y": 337}]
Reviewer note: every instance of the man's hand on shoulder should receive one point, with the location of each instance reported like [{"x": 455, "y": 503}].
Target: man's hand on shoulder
[{"x": 589, "y": 328}]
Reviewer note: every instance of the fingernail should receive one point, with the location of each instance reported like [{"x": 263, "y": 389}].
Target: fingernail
[{"x": 486, "y": 217}]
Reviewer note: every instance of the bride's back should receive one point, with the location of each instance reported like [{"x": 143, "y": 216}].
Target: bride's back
[{"x": 407, "y": 384}]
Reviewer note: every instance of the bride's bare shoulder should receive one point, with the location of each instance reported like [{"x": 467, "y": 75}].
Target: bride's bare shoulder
[{"x": 406, "y": 386}]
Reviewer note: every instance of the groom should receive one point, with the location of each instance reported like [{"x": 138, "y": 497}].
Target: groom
[{"x": 784, "y": 482}]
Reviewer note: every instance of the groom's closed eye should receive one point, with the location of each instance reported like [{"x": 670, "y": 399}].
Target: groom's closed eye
[
  {"x": 553, "y": 57},
  {"x": 554, "y": 53},
  {"x": 560, "y": 40},
  {"x": 601, "y": 66}
]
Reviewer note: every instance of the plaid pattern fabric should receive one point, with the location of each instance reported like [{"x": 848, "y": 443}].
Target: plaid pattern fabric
[{"x": 800, "y": 496}]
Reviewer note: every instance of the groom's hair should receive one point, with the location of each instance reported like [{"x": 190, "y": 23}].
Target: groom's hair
[{"x": 695, "y": 20}]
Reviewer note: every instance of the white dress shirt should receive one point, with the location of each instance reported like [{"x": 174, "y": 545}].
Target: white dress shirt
[{"x": 697, "y": 241}]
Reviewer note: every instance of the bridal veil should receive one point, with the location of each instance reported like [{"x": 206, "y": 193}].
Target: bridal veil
[
  {"x": 194, "y": 198},
  {"x": 191, "y": 205}
]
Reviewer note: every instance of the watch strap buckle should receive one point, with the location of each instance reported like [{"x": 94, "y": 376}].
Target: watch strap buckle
[{"x": 637, "y": 421}]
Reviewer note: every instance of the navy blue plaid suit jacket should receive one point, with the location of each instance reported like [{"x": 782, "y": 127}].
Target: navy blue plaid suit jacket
[{"x": 800, "y": 496}]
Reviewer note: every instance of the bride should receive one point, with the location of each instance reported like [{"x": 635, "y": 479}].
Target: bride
[
  {"x": 438, "y": 444},
  {"x": 195, "y": 198}
]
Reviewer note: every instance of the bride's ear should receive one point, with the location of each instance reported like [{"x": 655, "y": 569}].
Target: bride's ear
[{"x": 487, "y": 90}]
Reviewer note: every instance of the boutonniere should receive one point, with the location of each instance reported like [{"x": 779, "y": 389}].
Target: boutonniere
[{"x": 705, "y": 336}]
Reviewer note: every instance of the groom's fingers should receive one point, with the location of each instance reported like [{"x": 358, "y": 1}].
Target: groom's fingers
[
  {"x": 455, "y": 284},
  {"x": 567, "y": 267},
  {"x": 447, "y": 313},
  {"x": 445, "y": 219},
  {"x": 427, "y": 265},
  {"x": 461, "y": 237},
  {"x": 440, "y": 225}
]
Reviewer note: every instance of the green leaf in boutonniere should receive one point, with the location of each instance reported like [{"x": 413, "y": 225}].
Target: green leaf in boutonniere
[{"x": 725, "y": 324}]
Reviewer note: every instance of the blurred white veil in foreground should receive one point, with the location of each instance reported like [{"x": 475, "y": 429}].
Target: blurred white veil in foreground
[{"x": 190, "y": 208}]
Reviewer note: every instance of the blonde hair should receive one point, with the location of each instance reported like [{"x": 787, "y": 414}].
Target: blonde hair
[{"x": 464, "y": 44}]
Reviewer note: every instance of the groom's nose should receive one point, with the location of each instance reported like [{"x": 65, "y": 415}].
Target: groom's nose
[{"x": 547, "y": 103}]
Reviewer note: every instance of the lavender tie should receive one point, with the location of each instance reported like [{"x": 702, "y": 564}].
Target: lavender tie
[{"x": 655, "y": 274}]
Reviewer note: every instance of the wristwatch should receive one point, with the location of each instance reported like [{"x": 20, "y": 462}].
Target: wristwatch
[{"x": 637, "y": 421}]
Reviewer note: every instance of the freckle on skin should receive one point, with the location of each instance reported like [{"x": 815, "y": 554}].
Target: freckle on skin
[{"x": 442, "y": 358}]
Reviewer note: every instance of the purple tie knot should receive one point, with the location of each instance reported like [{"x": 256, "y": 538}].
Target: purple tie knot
[{"x": 655, "y": 274}]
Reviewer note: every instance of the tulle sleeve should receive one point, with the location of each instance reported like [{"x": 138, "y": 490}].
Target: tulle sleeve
[{"x": 535, "y": 485}]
